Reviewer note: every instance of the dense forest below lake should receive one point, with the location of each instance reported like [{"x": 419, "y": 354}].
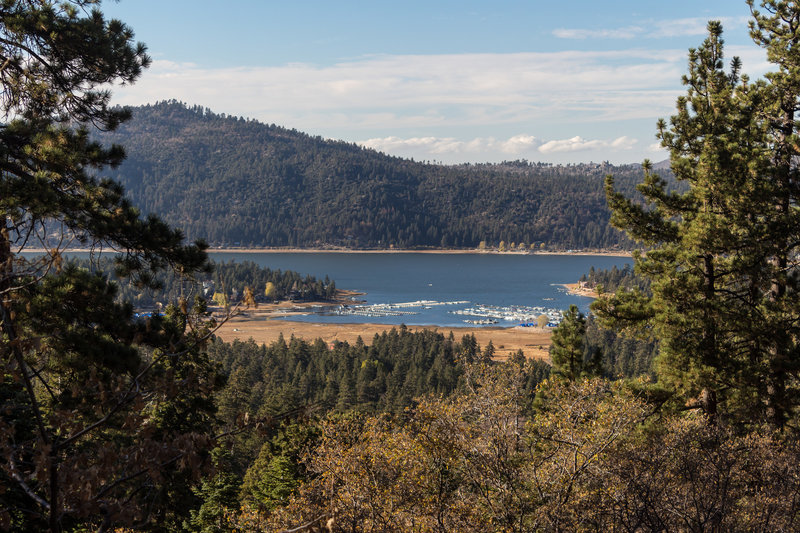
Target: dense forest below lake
[{"x": 234, "y": 181}]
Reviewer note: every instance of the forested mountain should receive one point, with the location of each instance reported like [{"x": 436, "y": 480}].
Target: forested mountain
[{"x": 235, "y": 181}]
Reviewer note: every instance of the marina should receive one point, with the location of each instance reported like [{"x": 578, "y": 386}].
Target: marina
[
  {"x": 515, "y": 314},
  {"x": 480, "y": 314},
  {"x": 390, "y": 309}
]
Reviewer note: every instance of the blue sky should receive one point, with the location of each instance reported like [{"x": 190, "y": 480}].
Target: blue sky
[{"x": 467, "y": 81}]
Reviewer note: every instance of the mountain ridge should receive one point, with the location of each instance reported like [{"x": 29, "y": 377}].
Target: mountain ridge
[{"x": 236, "y": 181}]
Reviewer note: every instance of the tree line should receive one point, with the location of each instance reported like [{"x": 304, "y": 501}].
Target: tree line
[
  {"x": 297, "y": 387},
  {"x": 227, "y": 283},
  {"x": 613, "y": 279}
]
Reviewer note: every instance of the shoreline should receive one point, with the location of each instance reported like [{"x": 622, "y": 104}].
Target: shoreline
[
  {"x": 267, "y": 323},
  {"x": 444, "y": 251},
  {"x": 577, "y": 290}
]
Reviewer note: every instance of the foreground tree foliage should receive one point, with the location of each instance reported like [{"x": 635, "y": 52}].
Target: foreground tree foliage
[
  {"x": 104, "y": 419},
  {"x": 722, "y": 258},
  {"x": 596, "y": 458}
]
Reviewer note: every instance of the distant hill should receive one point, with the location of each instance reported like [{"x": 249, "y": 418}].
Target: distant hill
[
  {"x": 233, "y": 181},
  {"x": 662, "y": 165}
]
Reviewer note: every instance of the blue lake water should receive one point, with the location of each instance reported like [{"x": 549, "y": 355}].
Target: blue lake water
[{"x": 440, "y": 289}]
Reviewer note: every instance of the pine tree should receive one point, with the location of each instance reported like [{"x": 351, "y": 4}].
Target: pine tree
[
  {"x": 717, "y": 251},
  {"x": 219, "y": 494},
  {"x": 566, "y": 351},
  {"x": 94, "y": 430},
  {"x": 777, "y": 29}
]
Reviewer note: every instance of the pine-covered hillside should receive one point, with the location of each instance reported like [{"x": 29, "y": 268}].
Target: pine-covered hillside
[{"x": 236, "y": 181}]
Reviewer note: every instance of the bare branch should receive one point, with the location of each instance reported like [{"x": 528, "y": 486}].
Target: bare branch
[{"x": 24, "y": 486}]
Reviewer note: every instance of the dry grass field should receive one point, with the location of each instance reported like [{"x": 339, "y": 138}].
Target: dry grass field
[{"x": 264, "y": 326}]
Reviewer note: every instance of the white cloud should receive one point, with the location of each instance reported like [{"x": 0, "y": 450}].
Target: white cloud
[
  {"x": 623, "y": 143},
  {"x": 421, "y": 91},
  {"x": 427, "y": 145},
  {"x": 679, "y": 27},
  {"x": 652, "y": 29},
  {"x": 579, "y": 144},
  {"x": 519, "y": 144},
  {"x": 423, "y": 105},
  {"x": 628, "y": 32},
  {"x": 526, "y": 146}
]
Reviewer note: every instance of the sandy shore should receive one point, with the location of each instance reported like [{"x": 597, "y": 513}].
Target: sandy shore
[
  {"x": 596, "y": 253},
  {"x": 265, "y": 325},
  {"x": 577, "y": 289}
]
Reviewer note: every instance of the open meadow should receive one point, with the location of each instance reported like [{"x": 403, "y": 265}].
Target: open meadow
[{"x": 265, "y": 326}]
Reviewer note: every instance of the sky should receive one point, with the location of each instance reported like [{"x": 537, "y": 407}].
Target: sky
[{"x": 446, "y": 81}]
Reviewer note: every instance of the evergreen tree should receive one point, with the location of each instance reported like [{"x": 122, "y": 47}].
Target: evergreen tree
[
  {"x": 723, "y": 302},
  {"x": 104, "y": 417},
  {"x": 777, "y": 29},
  {"x": 566, "y": 351},
  {"x": 219, "y": 494},
  {"x": 278, "y": 470}
]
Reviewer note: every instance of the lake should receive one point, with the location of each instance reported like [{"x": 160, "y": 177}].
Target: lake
[{"x": 440, "y": 289}]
